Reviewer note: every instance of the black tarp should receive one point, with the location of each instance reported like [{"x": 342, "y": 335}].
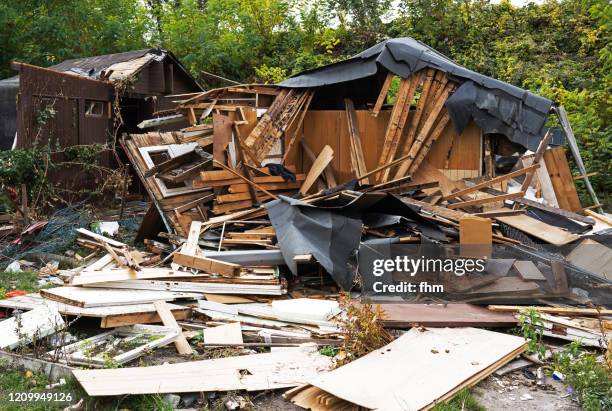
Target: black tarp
[
  {"x": 495, "y": 106},
  {"x": 331, "y": 230}
]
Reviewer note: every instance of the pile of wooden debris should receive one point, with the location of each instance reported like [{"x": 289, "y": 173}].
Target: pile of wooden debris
[{"x": 273, "y": 200}]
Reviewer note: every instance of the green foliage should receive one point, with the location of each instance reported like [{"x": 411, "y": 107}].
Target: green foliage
[
  {"x": 48, "y": 32},
  {"x": 270, "y": 75},
  {"x": 561, "y": 49},
  {"x": 32, "y": 167},
  {"x": 532, "y": 329},
  {"x": 21, "y": 280},
  {"x": 463, "y": 401},
  {"x": 591, "y": 379},
  {"x": 328, "y": 350}
]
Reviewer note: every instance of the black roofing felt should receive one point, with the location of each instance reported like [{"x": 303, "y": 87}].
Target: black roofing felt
[
  {"x": 98, "y": 63},
  {"x": 496, "y": 106}
]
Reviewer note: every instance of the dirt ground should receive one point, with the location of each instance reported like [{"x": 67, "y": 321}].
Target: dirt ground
[{"x": 505, "y": 393}]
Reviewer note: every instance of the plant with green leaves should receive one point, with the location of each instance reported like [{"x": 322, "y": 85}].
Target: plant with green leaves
[{"x": 532, "y": 328}]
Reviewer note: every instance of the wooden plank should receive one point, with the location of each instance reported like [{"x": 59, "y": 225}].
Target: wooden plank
[
  {"x": 561, "y": 179},
  {"x": 382, "y": 96},
  {"x": 298, "y": 130},
  {"x": 603, "y": 218},
  {"x": 442, "y": 315},
  {"x": 399, "y": 116},
  {"x": 489, "y": 183},
  {"x": 123, "y": 274},
  {"x": 593, "y": 257},
  {"x": 486, "y": 200},
  {"x": 565, "y": 311},
  {"x": 356, "y": 149},
  {"x": 476, "y": 237},
  {"x": 100, "y": 297},
  {"x": 323, "y": 159},
  {"x": 208, "y": 265},
  {"x": 190, "y": 247},
  {"x": 539, "y": 229},
  {"x": 528, "y": 271},
  {"x": 112, "y": 316},
  {"x": 431, "y": 139},
  {"x": 242, "y": 187},
  {"x": 536, "y": 160},
  {"x": 424, "y": 132},
  {"x": 224, "y": 334},
  {"x": 255, "y": 372},
  {"x": 419, "y": 362},
  {"x": 424, "y": 99},
  {"x": 100, "y": 238},
  {"x": 328, "y": 173},
  {"x": 558, "y": 211},
  {"x": 181, "y": 344}
]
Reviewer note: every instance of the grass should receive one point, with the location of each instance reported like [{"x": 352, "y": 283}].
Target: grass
[
  {"x": 21, "y": 280},
  {"x": 591, "y": 380},
  {"x": 463, "y": 401}
]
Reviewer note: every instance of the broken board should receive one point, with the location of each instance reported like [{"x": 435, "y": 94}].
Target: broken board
[
  {"x": 104, "y": 297},
  {"x": 421, "y": 368},
  {"x": 112, "y": 316},
  {"x": 254, "y": 372}
]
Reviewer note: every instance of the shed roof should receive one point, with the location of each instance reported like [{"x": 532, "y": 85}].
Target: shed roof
[{"x": 496, "y": 106}]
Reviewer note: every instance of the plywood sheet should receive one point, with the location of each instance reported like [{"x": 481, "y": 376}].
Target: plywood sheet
[
  {"x": 539, "y": 229},
  {"x": 329, "y": 127},
  {"x": 420, "y": 368},
  {"x": 593, "y": 257},
  {"x": 247, "y": 372}
]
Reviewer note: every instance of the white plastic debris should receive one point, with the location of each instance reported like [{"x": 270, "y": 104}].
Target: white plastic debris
[
  {"x": 109, "y": 228},
  {"x": 13, "y": 267}
]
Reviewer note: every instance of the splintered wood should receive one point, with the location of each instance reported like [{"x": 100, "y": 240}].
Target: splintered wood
[{"x": 279, "y": 117}]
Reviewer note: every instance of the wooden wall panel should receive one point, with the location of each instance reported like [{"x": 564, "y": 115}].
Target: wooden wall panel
[
  {"x": 323, "y": 127},
  {"x": 465, "y": 153},
  {"x": 562, "y": 179}
]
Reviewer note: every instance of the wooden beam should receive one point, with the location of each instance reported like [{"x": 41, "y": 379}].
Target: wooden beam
[
  {"x": 382, "y": 96},
  {"x": 568, "y": 311},
  {"x": 487, "y": 200},
  {"x": 536, "y": 160},
  {"x": 208, "y": 265},
  {"x": 323, "y": 159},
  {"x": 397, "y": 122},
  {"x": 298, "y": 129},
  {"x": 257, "y": 186},
  {"x": 432, "y": 138},
  {"x": 191, "y": 245},
  {"x": 424, "y": 131},
  {"x": 328, "y": 173},
  {"x": 357, "y": 157},
  {"x": 492, "y": 181},
  {"x": 181, "y": 344}
]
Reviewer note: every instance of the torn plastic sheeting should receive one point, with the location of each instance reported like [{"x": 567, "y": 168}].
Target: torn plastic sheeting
[
  {"x": 331, "y": 231},
  {"x": 304, "y": 229},
  {"x": 494, "y": 105}
]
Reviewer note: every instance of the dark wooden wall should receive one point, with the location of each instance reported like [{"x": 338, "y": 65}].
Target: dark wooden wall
[{"x": 52, "y": 108}]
